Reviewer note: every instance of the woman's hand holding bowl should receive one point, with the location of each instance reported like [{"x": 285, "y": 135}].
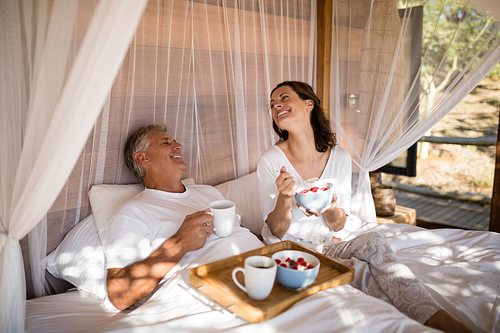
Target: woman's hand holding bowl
[
  {"x": 314, "y": 198},
  {"x": 310, "y": 212}
]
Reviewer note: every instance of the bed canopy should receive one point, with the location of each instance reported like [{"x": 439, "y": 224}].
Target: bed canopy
[{"x": 78, "y": 76}]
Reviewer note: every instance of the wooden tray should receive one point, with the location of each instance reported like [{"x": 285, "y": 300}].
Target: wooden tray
[{"x": 215, "y": 281}]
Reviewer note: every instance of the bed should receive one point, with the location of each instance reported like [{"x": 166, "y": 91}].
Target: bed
[{"x": 461, "y": 269}]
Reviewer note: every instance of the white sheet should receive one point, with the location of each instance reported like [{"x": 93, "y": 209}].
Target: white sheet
[
  {"x": 460, "y": 268},
  {"x": 73, "y": 311}
]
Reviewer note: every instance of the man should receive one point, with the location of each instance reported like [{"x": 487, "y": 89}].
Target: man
[{"x": 150, "y": 234}]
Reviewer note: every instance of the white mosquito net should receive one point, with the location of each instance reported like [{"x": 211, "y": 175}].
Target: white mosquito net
[
  {"x": 396, "y": 72},
  {"x": 78, "y": 76}
]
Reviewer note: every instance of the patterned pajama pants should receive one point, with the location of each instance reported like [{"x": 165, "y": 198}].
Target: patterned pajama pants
[{"x": 380, "y": 274}]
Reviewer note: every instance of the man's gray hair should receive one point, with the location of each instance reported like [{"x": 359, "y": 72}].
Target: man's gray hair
[{"x": 139, "y": 141}]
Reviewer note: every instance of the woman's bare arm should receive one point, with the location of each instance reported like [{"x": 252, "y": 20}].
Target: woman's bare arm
[{"x": 280, "y": 218}]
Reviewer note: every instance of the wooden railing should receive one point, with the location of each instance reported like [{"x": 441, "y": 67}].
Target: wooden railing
[
  {"x": 477, "y": 198},
  {"x": 484, "y": 141}
]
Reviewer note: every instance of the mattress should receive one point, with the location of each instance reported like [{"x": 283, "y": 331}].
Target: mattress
[{"x": 461, "y": 269}]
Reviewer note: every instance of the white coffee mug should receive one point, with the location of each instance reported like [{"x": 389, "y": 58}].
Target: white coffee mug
[
  {"x": 260, "y": 273},
  {"x": 224, "y": 212}
]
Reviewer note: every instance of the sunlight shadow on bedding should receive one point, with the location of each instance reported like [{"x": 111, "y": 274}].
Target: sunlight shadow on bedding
[{"x": 459, "y": 268}]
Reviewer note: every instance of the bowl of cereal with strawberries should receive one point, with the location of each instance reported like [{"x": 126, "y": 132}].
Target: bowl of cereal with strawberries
[
  {"x": 314, "y": 195},
  {"x": 296, "y": 269}
]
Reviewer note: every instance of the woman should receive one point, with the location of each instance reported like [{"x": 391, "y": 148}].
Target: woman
[{"x": 307, "y": 150}]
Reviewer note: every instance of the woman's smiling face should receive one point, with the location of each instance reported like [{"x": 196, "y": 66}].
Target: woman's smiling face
[{"x": 286, "y": 106}]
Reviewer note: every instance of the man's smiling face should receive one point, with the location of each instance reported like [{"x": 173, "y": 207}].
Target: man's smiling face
[{"x": 164, "y": 154}]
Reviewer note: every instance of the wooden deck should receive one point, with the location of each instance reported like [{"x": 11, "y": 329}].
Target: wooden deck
[{"x": 446, "y": 211}]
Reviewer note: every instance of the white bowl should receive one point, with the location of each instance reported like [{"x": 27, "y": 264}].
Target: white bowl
[
  {"x": 292, "y": 278},
  {"x": 315, "y": 200}
]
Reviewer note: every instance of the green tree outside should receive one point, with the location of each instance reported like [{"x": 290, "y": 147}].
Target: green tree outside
[{"x": 453, "y": 32}]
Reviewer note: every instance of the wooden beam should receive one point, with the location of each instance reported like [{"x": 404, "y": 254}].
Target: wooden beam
[
  {"x": 435, "y": 225},
  {"x": 476, "y": 198},
  {"x": 495, "y": 200},
  {"x": 324, "y": 49}
]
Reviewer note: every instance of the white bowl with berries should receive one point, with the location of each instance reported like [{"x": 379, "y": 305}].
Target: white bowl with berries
[
  {"x": 314, "y": 195},
  {"x": 296, "y": 269}
]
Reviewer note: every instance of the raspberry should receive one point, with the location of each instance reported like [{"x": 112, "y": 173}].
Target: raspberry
[
  {"x": 314, "y": 189},
  {"x": 301, "y": 264}
]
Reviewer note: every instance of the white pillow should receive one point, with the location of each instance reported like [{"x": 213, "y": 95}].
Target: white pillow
[
  {"x": 79, "y": 259},
  {"x": 244, "y": 192},
  {"x": 106, "y": 198}
]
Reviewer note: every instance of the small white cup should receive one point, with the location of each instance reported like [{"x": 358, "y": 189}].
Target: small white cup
[
  {"x": 224, "y": 212},
  {"x": 260, "y": 273}
]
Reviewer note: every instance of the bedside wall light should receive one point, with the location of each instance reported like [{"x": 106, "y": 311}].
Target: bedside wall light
[{"x": 353, "y": 100}]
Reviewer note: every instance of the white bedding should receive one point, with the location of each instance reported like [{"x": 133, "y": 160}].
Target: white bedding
[{"x": 460, "y": 268}]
